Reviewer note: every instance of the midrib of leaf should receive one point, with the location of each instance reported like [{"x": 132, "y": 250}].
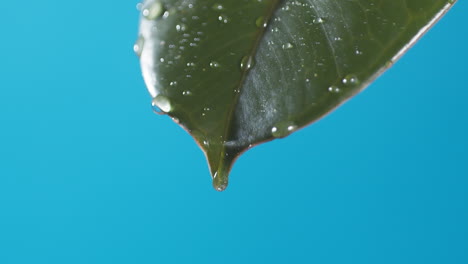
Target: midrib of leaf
[{"x": 221, "y": 172}]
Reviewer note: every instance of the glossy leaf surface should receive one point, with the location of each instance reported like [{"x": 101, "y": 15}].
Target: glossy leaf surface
[{"x": 235, "y": 73}]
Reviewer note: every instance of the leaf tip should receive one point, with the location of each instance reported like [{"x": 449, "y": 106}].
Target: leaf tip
[{"x": 220, "y": 181}]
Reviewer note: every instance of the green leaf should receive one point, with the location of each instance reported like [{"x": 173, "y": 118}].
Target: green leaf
[{"x": 235, "y": 73}]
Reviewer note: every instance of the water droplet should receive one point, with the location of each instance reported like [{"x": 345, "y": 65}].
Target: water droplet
[
  {"x": 161, "y": 105},
  {"x": 283, "y": 129},
  {"x": 186, "y": 93},
  {"x": 139, "y": 6},
  {"x": 334, "y": 89},
  {"x": 318, "y": 20},
  {"x": 205, "y": 111},
  {"x": 288, "y": 46},
  {"x": 153, "y": 11},
  {"x": 174, "y": 83},
  {"x": 350, "y": 80},
  {"x": 214, "y": 64},
  {"x": 260, "y": 22},
  {"x": 220, "y": 182},
  {"x": 138, "y": 46},
  {"x": 247, "y": 63},
  {"x": 217, "y": 7},
  {"x": 181, "y": 27},
  {"x": 223, "y": 19}
]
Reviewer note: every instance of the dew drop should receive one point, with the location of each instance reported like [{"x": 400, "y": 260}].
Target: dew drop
[
  {"x": 153, "y": 11},
  {"x": 186, "y": 93},
  {"x": 161, "y": 105},
  {"x": 181, "y": 27},
  {"x": 318, "y": 20},
  {"x": 138, "y": 46},
  {"x": 260, "y": 22},
  {"x": 214, "y": 64},
  {"x": 288, "y": 46},
  {"x": 247, "y": 63},
  {"x": 223, "y": 18},
  {"x": 350, "y": 80},
  {"x": 283, "y": 129},
  {"x": 334, "y": 89},
  {"x": 217, "y": 7}
]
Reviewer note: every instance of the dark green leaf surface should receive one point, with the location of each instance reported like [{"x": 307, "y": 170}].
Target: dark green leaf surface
[{"x": 235, "y": 73}]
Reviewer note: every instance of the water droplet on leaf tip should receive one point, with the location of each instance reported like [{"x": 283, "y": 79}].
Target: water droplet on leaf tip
[{"x": 220, "y": 182}]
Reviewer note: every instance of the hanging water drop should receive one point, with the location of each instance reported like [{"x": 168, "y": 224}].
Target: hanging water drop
[
  {"x": 220, "y": 182},
  {"x": 161, "y": 105}
]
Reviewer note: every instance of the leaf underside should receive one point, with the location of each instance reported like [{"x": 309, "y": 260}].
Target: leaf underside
[{"x": 235, "y": 73}]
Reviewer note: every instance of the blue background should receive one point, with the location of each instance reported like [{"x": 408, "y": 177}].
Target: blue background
[{"x": 88, "y": 174}]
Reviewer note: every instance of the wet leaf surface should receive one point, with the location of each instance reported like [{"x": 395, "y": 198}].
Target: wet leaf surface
[{"x": 235, "y": 73}]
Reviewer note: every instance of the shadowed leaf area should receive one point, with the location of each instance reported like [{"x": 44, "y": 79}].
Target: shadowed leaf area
[{"x": 235, "y": 73}]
